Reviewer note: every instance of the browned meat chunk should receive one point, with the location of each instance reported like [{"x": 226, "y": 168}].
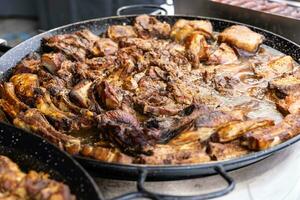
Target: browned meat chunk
[
  {"x": 147, "y": 26},
  {"x": 25, "y": 84},
  {"x": 290, "y": 104},
  {"x": 184, "y": 28},
  {"x": 285, "y": 86},
  {"x": 53, "y": 61},
  {"x": 264, "y": 138},
  {"x": 281, "y": 65},
  {"x": 9, "y": 102},
  {"x": 79, "y": 93},
  {"x": 107, "y": 154},
  {"x": 226, "y": 151},
  {"x": 29, "y": 64},
  {"x": 235, "y": 129},
  {"x": 81, "y": 44},
  {"x": 16, "y": 185},
  {"x": 170, "y": 127},
  {"x": 223, "y": 55},
  {"x": 105, "y": 47},
  {"x": 110, "y": 98},
  {"x": 196, "y": 47},
  {"x": 63, "y": 121},
  {"x": 241, "y": 37},
  {"x": 33, "y": 120},
  {"x": 117, "y": 32},
  {"x": 124, "y": 130},
  {"x": 176, "y": 154}
]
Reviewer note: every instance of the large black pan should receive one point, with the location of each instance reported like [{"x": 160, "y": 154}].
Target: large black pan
[
  {"x": 31, "y": 152},
  {"x": 141, "y": 172}
]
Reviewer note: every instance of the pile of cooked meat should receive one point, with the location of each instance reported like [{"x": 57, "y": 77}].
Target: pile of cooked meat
[
  {"x": 17, "y": 185},
  {"x": 155, "y": 93}
]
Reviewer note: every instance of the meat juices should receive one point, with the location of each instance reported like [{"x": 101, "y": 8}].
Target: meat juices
[{"x": 153, "y": 93}]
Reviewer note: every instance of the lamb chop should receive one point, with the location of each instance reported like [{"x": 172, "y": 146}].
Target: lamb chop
[{"x": 34, "y": 120}]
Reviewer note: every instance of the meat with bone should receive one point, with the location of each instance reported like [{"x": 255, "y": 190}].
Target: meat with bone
[
  {"x": 241, "y": 37},
  {"x": 9, "y": 102},
  {"x": 24, "y": 85},
  {"x": 260, "y": 139},
  {"x": 234, "y": 129},
  {"x": 16, "y": 185},
  {"x": 33, "y": 120}
]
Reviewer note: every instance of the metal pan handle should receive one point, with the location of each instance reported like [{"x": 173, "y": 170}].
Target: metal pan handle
[
  {"x": 129, "y": 7},
  {"x": 143, "y": 192},
  {"x": 3, "y": 46}
]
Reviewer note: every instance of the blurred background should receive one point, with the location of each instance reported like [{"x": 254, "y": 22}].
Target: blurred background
[{"x": 21, "y": 19}]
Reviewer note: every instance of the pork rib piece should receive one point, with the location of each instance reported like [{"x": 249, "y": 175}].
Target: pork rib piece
[{"x": 241, "y": 37}]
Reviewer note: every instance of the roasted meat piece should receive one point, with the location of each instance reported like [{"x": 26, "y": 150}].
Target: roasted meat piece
[
  {"x": 53, "y": 61},
  {"x": 30, "y": 64},
  {"x": 192, "y": 152},
  {"x": 281, "y": 65},
  {"x": 236, "y": 129},
  {"x": 223, "y": 55},
  {"x": 226, "y": 151},
  {"x": 107, "y": 154},
  {"x": 275, "y": 67},
  {"x": 81, "y": 44},
  {"x": 184, "y": 28},
  {"x": 110, "y": 98},
  {"x": 9, "y": 102},
  {"x": 284, "y": 86},
  {"x": 64, "y": 121},
  {"x": 241, "y": 37},
  {"x": 80, "y": 93},
  {"x": 25, "y": 84},
  {"x": 104, "y": 47},
  {"x": 34, "y": 121},
  {"x": 16, "y": 185},
  {"x": 196, "y": 48},
  {"x": 147, "y": 26},
  {"x": 290, "y": 104},
  {"x": 263, "y": 138},
  {"x": 117, "y": 32},
  {"x": 124, "y": 130},
  {"x": 170, "y": 127}
]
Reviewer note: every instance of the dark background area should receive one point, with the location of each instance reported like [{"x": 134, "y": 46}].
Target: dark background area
[{"x": 21, "y": 19}]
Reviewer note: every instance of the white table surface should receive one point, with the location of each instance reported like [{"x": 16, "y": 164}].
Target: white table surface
[{"x": 275, "y": 178}]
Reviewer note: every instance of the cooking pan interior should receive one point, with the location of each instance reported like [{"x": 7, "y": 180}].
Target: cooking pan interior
[
  {"x": 31, "y": 152},
  {"x": 99, "y": 26}
]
